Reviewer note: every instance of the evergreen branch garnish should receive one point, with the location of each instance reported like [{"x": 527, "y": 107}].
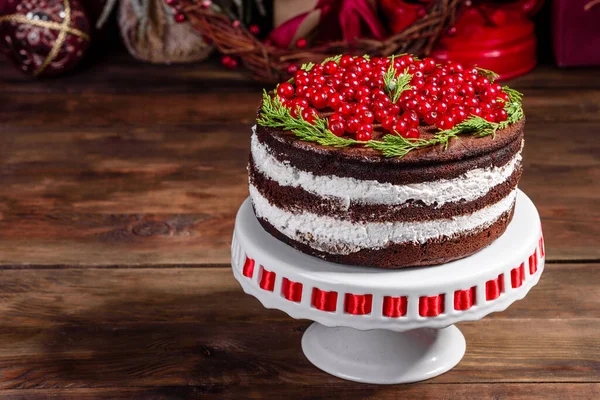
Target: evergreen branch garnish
[
  {"x": 335, "y": 59},
  {"x": 275, "y": 115},
  {"x": 398, "y": 146},
  {"x": 307, "y": 67},
  {"x": 394, "y": 85},
  {"x": 491, "y": 75}
]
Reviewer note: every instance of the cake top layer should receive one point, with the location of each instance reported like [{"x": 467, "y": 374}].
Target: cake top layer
[{"x": 399, "y": 107}]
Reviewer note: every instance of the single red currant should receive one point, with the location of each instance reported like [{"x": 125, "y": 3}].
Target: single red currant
[
  {"x": 489, "y": 116},
  {"x": 481, "y": 83},
  {"x": 381, "y": 114},
  {"x": 319, "y": 99},
  {"x": 345, "y": 109},
  {"x": 302, "y": 80},
  {"x": 330, "y": 67},
  {"x": 393, "y": 109},
  {"x": 445, "y": 122},
  {"x": 336, "y": 117},
  {"x": 285, "y": 90},
  {"x": 348, "y": 93},
  {"x": 346, "y": 61},
  {"x": 309, "y": 114},
  {"x": 366, "y": 117},
  {"x": 388, "y": 123},
  {"x": 411, "y": 104},
  {"x": 431, "y": 117},
  {"x": 411, "y": 118},
  {"x": 424, "y": 108},
  {"x": 337, "y": 127},
  {"x": 363, "y": 91},
  {"x": 476, "y": 111},
  {"x": 334, "y": 100},
  {"x": 352, "y": 124},
  {"x": 428, "y": 65},
  {"x": 501, "y": 115},
  {"x": 412, "y": 133},
  {"x": 441, "y": 107},
  {"x": 365, "y": 100},
  {"x": 363, "y": 135},
  {"x": 401, "y": 127}
]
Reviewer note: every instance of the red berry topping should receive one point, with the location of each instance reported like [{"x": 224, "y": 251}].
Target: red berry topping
[
  {"x": 337, "y": 127},
  {"x": 319, "y": 99},
  {"x": 412, "y": 133},
  {"x": 366, "y": 117},
  {"x": 446, "y": 122},
  {"x": 353, "y": 124},
  {"x": 346, "y": 109},
  {"x": 352, "y": 93},
  {"x": 388, "y": 123},
  {"x": 346, "y": 61},
  {"x": 309, "y": 114},
  {"x": 363, "y": 135},
  {"x": 285, "y": 90}
]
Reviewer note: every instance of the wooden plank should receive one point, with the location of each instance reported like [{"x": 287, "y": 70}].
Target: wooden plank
[
  {"x": 175, "y": 327},
  {"x": 50, "y": 297},
  {"x": 90, "y": 109},
  {"x": 333, "y": 390},
  {"x": 130, "y": 196}
]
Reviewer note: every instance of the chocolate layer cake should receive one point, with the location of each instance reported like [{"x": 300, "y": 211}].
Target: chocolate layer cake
[{"x": 371, "y": 202}]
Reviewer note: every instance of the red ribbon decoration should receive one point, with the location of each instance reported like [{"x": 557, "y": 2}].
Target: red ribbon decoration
[
  {"x": 267, "y": 280},
  {"x": 464, "y": 299},
  {"x": 358, "y": 304},
  {"x": 340, "y": 19},
  {"x": 291, "y": 290},
  {"x": 533, "y": 264},
  {"x": 517, "y": 276},
  {"x": 248, "y": 269},
  {"x": 324, "y": 301},
  {"x": 395, "y": 307},
  {"x": 431, "y": 306},
  {"x": 494, "y": 288}
]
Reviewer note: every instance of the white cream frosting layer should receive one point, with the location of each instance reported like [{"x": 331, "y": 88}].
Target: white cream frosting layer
[
  {"x": 468, "y": 186},
  {"x": 336, "y": 236}
]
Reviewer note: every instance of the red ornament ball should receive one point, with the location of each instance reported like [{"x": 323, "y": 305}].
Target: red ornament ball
[{"x": 44, "y": 37}]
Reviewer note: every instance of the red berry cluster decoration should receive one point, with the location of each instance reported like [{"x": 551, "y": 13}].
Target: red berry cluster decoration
[{"x": 352, "y": 92}]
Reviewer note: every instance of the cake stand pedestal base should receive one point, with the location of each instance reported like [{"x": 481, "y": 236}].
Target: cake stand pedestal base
[{"x": 383, "y": 356}]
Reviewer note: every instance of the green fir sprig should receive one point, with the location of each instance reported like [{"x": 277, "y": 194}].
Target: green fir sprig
[
  {"x": 491, "y": 75},
  {"x": 274, "y": 114},
  {"x": 395, "y": 83}
]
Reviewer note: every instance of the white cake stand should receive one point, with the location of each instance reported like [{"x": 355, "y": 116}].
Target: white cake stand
[{"x": 403, "y": 331}]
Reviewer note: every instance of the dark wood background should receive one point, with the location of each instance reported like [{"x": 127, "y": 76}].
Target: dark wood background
[{"x": 118, "y": 190}]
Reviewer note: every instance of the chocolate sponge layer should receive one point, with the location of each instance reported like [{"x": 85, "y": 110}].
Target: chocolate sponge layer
[
  {"x": 401, "y": 255},
  {"x": 296, "y": 199},
  {"x": 463, "y": 154}
]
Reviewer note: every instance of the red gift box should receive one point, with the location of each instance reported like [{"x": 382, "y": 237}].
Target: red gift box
[{"x": 576, "y": 31}]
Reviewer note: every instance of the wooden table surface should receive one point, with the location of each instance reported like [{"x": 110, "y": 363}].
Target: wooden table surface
[{"x": 118, "y": 190}]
